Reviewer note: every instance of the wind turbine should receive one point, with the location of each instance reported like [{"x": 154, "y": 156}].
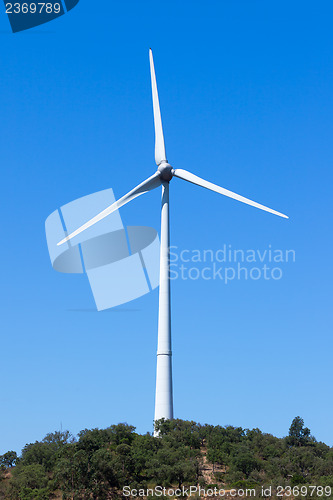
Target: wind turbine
[{"x": 162, "y": 177}]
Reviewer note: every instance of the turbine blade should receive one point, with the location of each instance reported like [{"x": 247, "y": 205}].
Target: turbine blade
[
  {"x": 148, "y": 185},
  {"x": 159, "y": 138},
  {"x": 187, "y": 176}
]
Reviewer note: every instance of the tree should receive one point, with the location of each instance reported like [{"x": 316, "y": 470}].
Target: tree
[
  {"x": 142, "y": 450},
  {"x": 47, "y": 451},
  {"x": 121, "y": 433},
  {"x": 245, "y": 463},
  {"x": 216, "y": 456},
  {"x": 71, "y": 471},
  {"x": 298, "y": 434},
  {"x": 8, "y": 459},
  {"x": 29, "y": 482},
  {"x": 124, "y": 453},
  {"x": 105, "y": 474},
  {"x": 187, "y": 432},
  {"x": 92, "y": 440}
]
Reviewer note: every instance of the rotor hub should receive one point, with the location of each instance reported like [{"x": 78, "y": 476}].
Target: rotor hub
[{"x": 166, "y": 171}]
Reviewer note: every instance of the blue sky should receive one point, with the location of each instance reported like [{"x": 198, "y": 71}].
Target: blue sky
[{"x": 247, "y": 102}]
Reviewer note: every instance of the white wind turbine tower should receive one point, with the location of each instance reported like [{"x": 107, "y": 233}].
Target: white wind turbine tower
[{"x": 162, "y": 177}]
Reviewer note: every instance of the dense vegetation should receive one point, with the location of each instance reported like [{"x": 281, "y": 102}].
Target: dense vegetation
[{"x": 100, "y": 462}]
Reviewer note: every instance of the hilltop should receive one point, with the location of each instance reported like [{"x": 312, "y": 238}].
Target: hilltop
[{"x": 117, "y": 462}]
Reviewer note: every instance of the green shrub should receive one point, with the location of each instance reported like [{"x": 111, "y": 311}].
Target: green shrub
[{"x": 297, "y": 479}]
